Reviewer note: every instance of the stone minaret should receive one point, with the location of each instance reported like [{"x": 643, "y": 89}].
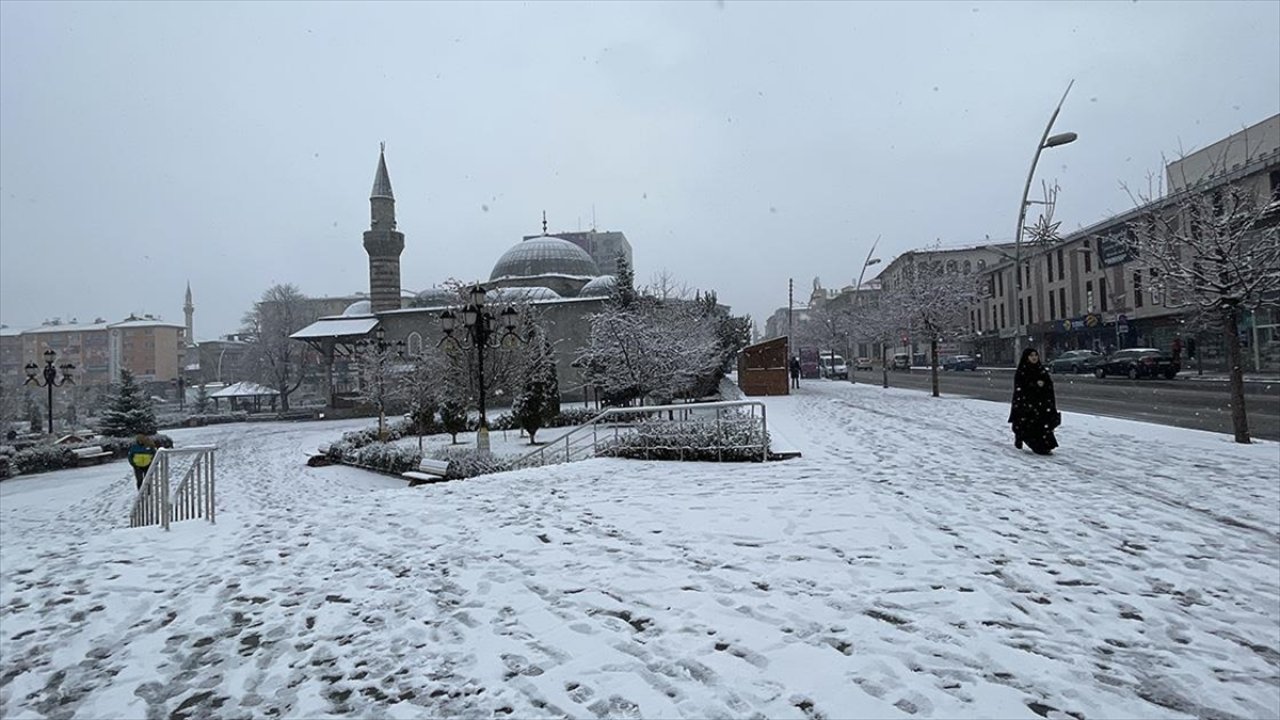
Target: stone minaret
[
  {"x": 190, "y": 311},
  {"x": 383, "y": 243}
]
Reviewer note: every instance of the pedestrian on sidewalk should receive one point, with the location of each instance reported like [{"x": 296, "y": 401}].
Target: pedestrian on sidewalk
[
  {"x": 1034, "y": 412},
  {"x": 795, "y": 372},
  {"x": 141, "y": 454}
]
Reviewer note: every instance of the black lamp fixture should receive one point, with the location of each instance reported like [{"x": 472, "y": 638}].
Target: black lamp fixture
[
  {"x": 478, "y": 324},
  {"x": 50, "y": 375}
]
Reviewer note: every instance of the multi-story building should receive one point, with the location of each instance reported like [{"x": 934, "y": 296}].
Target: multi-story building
[
  {"x": 1090, "y": 291},
  {"x": 145, "y": 346}
]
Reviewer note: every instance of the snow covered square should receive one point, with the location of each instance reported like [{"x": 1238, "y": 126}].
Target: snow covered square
[{"x": 911, "y": 564}]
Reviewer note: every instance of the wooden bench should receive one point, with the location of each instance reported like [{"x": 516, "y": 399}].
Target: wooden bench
[
  {"x": 428, "y": 471},
  {"x": 93, "y": 454}
]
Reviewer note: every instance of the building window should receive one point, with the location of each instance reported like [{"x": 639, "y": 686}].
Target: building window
[
  {"x": 1088, "y": 295},
  {"x": 968, "y": 267},
  {"x": 1048, "y": 266},
  {"x": 415, "y": 344},
  {"x": 1137, "y": 289},
  {"x": 1102, "y": 293},
  {"x": 1030, "y": 316},
  {"x": 1275, "y": 184},
  {"x": 1000, "y": 282},
  {"x": 994, "y": 324},
  {"x": 1053, "y": 308},
  {"x": 1002, "y": 317},
  {"x": 982, "y": 264},
  {"x": 1062, "y": 300},
  {"x": 1062, "y": 267},
  {"x": 1088, "y": 261}
]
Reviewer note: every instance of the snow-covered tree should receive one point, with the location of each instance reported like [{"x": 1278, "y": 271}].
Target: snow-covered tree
[
  {"x": 624, "y": 290},
  {"x": 128, "y": 412},
  {"x": 453, "y": 416},
  {"x": 654, "y": 349},
  {"x": 202, "y": 399},
  {"x": 381, "y": 369},
  {"x": 538, "y": 399},
  {"x": 1215, "y": 253},
  {"x": 272, "y": 358},
  {"x": 931, "y": 300}
]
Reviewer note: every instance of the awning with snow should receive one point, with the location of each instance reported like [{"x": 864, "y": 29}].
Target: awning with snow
[
  {"x": 244, "y": 389},
  {"x": 339, "y": 327}
]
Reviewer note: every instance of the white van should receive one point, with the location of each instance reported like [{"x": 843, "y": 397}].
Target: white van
[{"x": 833, "y": 367}]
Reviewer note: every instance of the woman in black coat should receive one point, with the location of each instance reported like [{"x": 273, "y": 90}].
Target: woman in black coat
[{"x": 1034, "y": 413}]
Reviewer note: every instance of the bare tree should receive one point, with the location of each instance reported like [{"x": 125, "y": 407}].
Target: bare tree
[
  {"x": 382, "y": 369},
  {"x": 1216, "y": 253},
  {"x": 932, "y": 300},
  {"x": 272, "y": 358},
  {"x": 828, "y": 325}
]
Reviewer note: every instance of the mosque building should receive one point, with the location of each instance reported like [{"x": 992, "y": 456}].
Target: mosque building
[{"x": 560, "y": 276}]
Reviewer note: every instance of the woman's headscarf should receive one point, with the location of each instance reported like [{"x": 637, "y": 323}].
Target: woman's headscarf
[{"x": 1025, "y": 368}]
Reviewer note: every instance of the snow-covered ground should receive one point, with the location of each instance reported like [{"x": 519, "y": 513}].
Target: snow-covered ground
[{"x": 911, "y": 563}]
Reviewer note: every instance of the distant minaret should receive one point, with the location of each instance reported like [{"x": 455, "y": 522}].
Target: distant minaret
[
  {"x": 190, "y": 311},
  {"x": 383, "y": 243}
]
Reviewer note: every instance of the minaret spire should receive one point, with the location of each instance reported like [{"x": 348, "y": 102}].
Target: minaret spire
[
  {"x": 189, "y": 309},
  {"x": 382, "y": 242},
  {"x": 544, "y": 222}
]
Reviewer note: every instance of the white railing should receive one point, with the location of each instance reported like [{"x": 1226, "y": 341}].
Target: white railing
[
  {"x": 583, "y": 441},
  {"x": 158, "y": 504}
]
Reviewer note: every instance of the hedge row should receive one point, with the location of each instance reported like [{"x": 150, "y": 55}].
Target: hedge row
[
  {"x": 43, "y": 458},
  {"x": 733, "y": 439}
]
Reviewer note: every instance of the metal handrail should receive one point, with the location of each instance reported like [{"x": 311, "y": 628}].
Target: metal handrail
[
  {"x": 194, "y": 496},
  {"x": 538, "y": 456}
]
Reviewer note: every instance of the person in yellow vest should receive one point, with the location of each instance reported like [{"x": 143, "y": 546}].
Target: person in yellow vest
[{"x": 141, "y": 453}]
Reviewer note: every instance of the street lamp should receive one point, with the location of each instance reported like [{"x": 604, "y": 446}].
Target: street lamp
[
  {"x": 478, "y": 324},
  {"x": 379, "y": 345},
  {"x": 857, "y": 292},
  {"x": 51, "y": 379},
  {"x": 1046, "y": 141}
]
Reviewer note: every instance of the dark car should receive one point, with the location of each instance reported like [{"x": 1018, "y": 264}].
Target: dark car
[
  {"x": 1076, "y": 361},
  {"x": 959, "y": 362},
  {"x": 1136, "y": 363}
]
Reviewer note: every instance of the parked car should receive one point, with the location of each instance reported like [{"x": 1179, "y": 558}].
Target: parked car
[
  {"x": 959, "y": 362},
  {"x": 833, "y": 367},
  {"x": 862, "y": 363},
  {"x": 1076, "y": 361},
  {"x": 1136, "y": 363},
  {"x": 901, "y": 361}
]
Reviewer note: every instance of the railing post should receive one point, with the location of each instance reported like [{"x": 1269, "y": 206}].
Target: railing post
[{"x": 764, "y": 434}]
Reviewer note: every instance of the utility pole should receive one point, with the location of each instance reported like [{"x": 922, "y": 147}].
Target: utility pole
[{"x": 791, "y": 287}]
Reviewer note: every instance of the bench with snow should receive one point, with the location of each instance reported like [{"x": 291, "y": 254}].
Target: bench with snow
[
  {"x": 320, "y": 460},
  {"x": 93, "y": 454},
  {"x": 427, "y": 471}
]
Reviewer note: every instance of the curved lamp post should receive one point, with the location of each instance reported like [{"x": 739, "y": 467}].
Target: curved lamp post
[
  {"x": 857, "y": 293},
  {"x": 379, "y": 345},
  {"x": 480, "y": 331},
  {"x": 51, "y": 379},
  {"x": 1046, "y": 141}
]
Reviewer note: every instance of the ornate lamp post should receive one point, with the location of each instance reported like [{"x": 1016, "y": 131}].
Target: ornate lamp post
[
  {"x": 479, "y": 332},
  {"x": 380, "y": 346},
  {"x": 51, "y": 379},
  {"x": 857, "y": 295}
]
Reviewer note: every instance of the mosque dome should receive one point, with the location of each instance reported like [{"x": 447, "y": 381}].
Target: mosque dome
[
  {"x": 602, "y": 286},
  {"x": 544, "y": 256},
  {"x": 435, "y": 297},
  {"x": 359, "y": 307}
]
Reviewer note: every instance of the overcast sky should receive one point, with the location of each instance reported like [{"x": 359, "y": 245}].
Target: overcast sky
[{"x": 736, "y": 144}]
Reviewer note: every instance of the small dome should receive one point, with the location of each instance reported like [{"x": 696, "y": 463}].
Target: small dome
[
  {"x": 544, "y": 256},
  {"x": 602, "y": 286},
  {"x": 435, "y": 297},
  {"x": 518, "y": 294},
  {"x": 359, "y": 307}
]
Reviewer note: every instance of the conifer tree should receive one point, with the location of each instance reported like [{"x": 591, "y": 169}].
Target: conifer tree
[{"x": 128, "y": 412}]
